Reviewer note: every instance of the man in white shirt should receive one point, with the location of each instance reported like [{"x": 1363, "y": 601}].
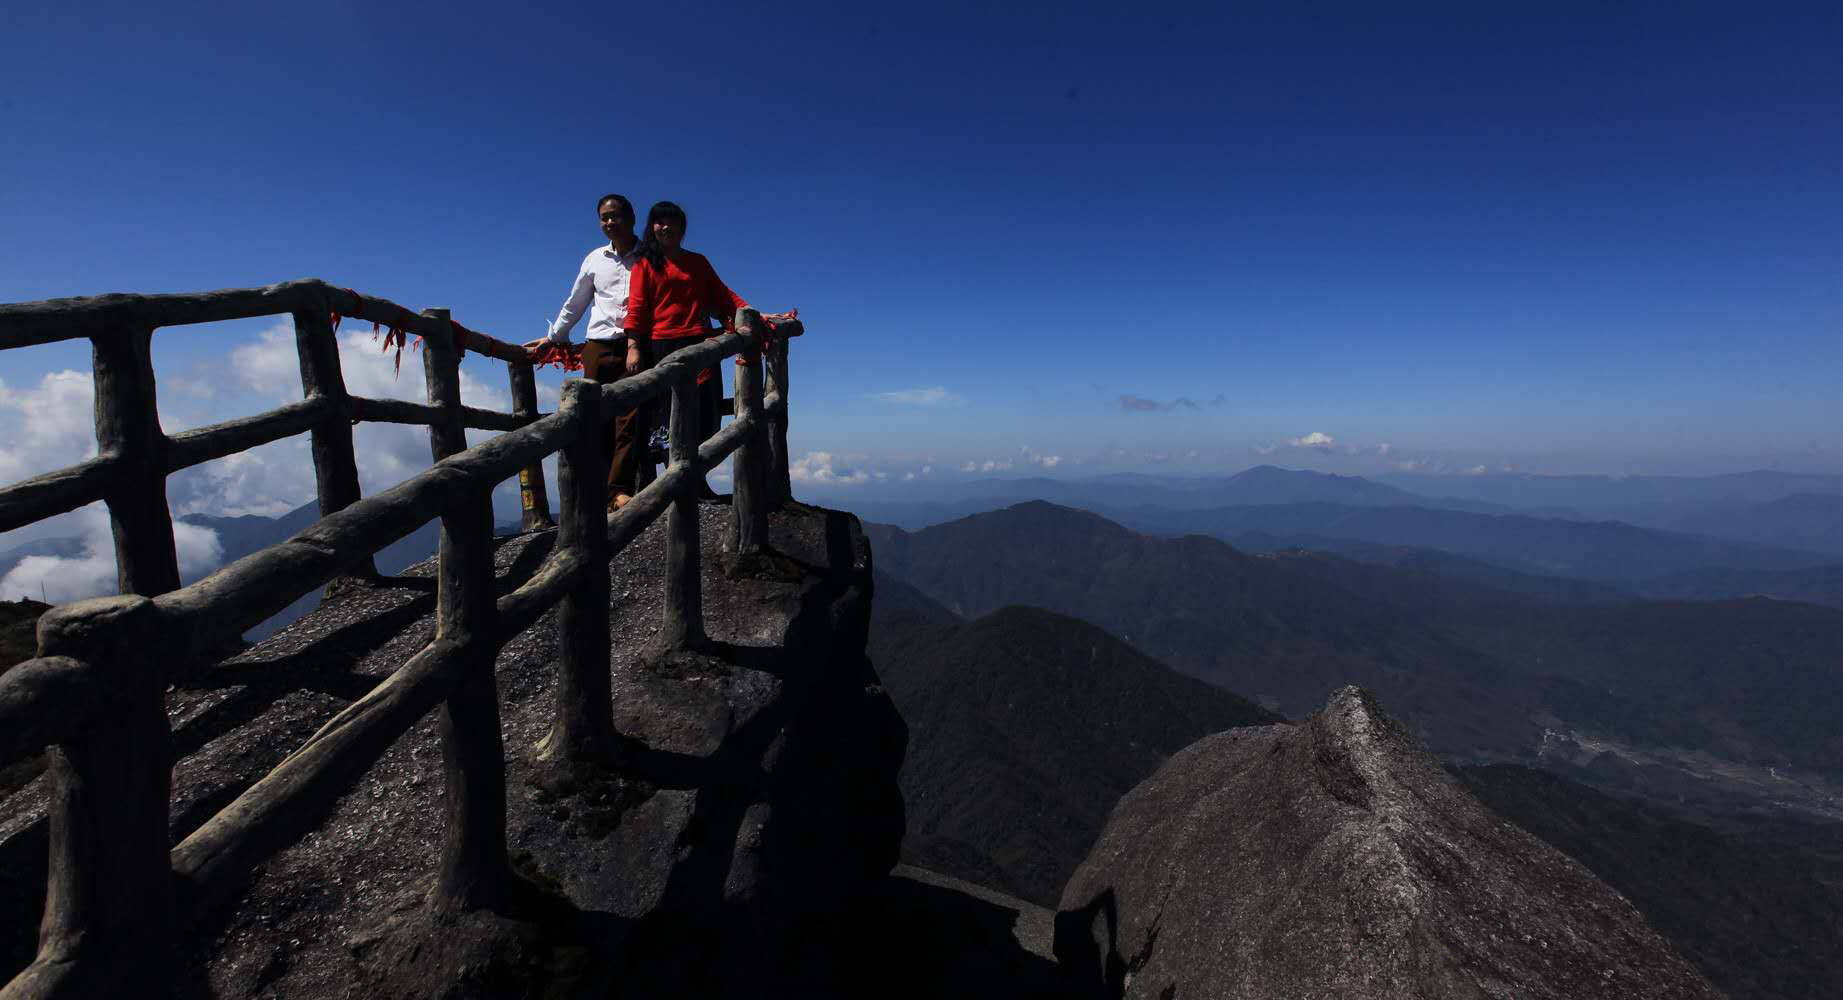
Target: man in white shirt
[{"x": 607, "y": 352}]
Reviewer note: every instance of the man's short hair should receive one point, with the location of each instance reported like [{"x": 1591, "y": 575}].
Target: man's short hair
[{"x": 626, "y": 206}]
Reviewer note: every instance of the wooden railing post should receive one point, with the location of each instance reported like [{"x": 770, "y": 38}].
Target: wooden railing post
[
  {"x": 109, "y": 893},
  {"x": 109, "y": 890},
  {"x": 474, "y": 869},
  {"x": 583, "y": 726},
  {"x": 335, "y": 462},
  {"x": 780, "y": 479},
  {"x": 534, "y": 499},
  {"x": 750, "y": 492},
  {"x": 128, "y": 432},
  {"x": 684, "y": 599}
]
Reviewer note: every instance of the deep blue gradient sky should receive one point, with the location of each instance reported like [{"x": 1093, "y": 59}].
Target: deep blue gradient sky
[{"x": 1560, "y": 237}]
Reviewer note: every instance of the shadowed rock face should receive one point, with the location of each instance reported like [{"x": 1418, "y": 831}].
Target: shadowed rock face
[{"x": 1335, "y": 858}]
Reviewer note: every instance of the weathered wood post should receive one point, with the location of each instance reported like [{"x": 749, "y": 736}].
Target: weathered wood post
[
  {"x": 109, "y": 895},
  {"x": 335, "y": 463},
  {"x": 583, "y": 727},
  {"x": 684, "y": 603},
  {"x": 109, "y": 891},
  {"x": 780, "y": 479},
  {"x": 474, "y": 870},
  {"x": 750, "y": 468},
  {"x": 128, "y": 434},
  {"x": 534, "y": 498}
]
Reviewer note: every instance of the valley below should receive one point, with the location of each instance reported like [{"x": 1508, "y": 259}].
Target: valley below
[{"x": 1682, "y": 749}]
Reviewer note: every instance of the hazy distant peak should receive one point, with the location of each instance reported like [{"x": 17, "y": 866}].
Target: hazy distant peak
[{"x": 1040, "y": 514}]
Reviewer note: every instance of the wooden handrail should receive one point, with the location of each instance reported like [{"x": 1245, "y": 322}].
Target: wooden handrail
[
  {"x": 205, "y": 444},
  {"x": 24, "y": 324},
  {"x": 54, "y": 493},
  {"x": 46, "y": 700},
  {"x": 97, "y": 687}
]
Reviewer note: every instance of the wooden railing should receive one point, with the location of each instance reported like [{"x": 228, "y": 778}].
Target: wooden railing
[{"x": 117, "y": 890}]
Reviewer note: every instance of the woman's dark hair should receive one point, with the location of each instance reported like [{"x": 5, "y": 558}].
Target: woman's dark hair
[
  {"x": 626, "y": 205},
  {"x": 649, "y": 246}
]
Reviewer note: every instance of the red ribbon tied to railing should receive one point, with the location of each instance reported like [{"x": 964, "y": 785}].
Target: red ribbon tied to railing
[
  {"x": 565, "y": 356},
  {"x": 396, "y": 333}
]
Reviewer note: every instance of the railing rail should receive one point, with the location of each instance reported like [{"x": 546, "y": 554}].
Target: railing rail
[{"x": 95, "y": 693}]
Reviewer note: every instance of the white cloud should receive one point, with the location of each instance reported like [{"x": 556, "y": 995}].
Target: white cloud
[
  {"x": 821, "y": 467},
  {"x": 184, "y": 385},
  {"x": 1266, "y": 449},
  {"x": 1030, "y": 456},
  {"x": 279, "y": 477},
  {"x": 51, "y": 425},
  {"x": 930, "y": 396},
  {"x": 268, "y": 481},
  {"x": 272, "y": 366},
  {"x": 1025, "y": 457},
  {"x": 1384, "y": 448},
  {"x": 1316, "y": 440},
  {"x": 60, "y": 579}
]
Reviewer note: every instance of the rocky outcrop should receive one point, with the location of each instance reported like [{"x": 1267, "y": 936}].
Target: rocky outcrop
[
  {"x": 753, "y": 809},
  {"x": 757, "y": 808},
  {"x": 1335, "y": 858}
]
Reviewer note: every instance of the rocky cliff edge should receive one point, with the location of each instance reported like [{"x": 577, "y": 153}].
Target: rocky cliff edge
[{"x": 1336, "y": 858}]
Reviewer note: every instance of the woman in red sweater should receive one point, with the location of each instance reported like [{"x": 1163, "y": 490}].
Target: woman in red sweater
[{"x": 672, "y": 295}]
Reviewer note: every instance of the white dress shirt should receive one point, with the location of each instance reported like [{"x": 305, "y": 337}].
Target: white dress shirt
[{"x": 601, "y": 287}]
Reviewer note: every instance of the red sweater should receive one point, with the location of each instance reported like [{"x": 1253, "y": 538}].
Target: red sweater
[{"x": 674, "y": 301}]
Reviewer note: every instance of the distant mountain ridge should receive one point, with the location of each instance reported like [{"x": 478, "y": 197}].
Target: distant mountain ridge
[
  {"x": 1606, "y": 551},
  {"x": 1531, "y": 490},
  {"x": 1196, "y": 604},
  {"x": 1262, "y": 484},
  {"x": 1780, "y": 511},
  {"x": 1807, "y": 521},
  {"x": 1481, "y": 673}
]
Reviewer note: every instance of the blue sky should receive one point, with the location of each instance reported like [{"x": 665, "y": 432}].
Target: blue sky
[{"x": 1068, "y": 238}]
